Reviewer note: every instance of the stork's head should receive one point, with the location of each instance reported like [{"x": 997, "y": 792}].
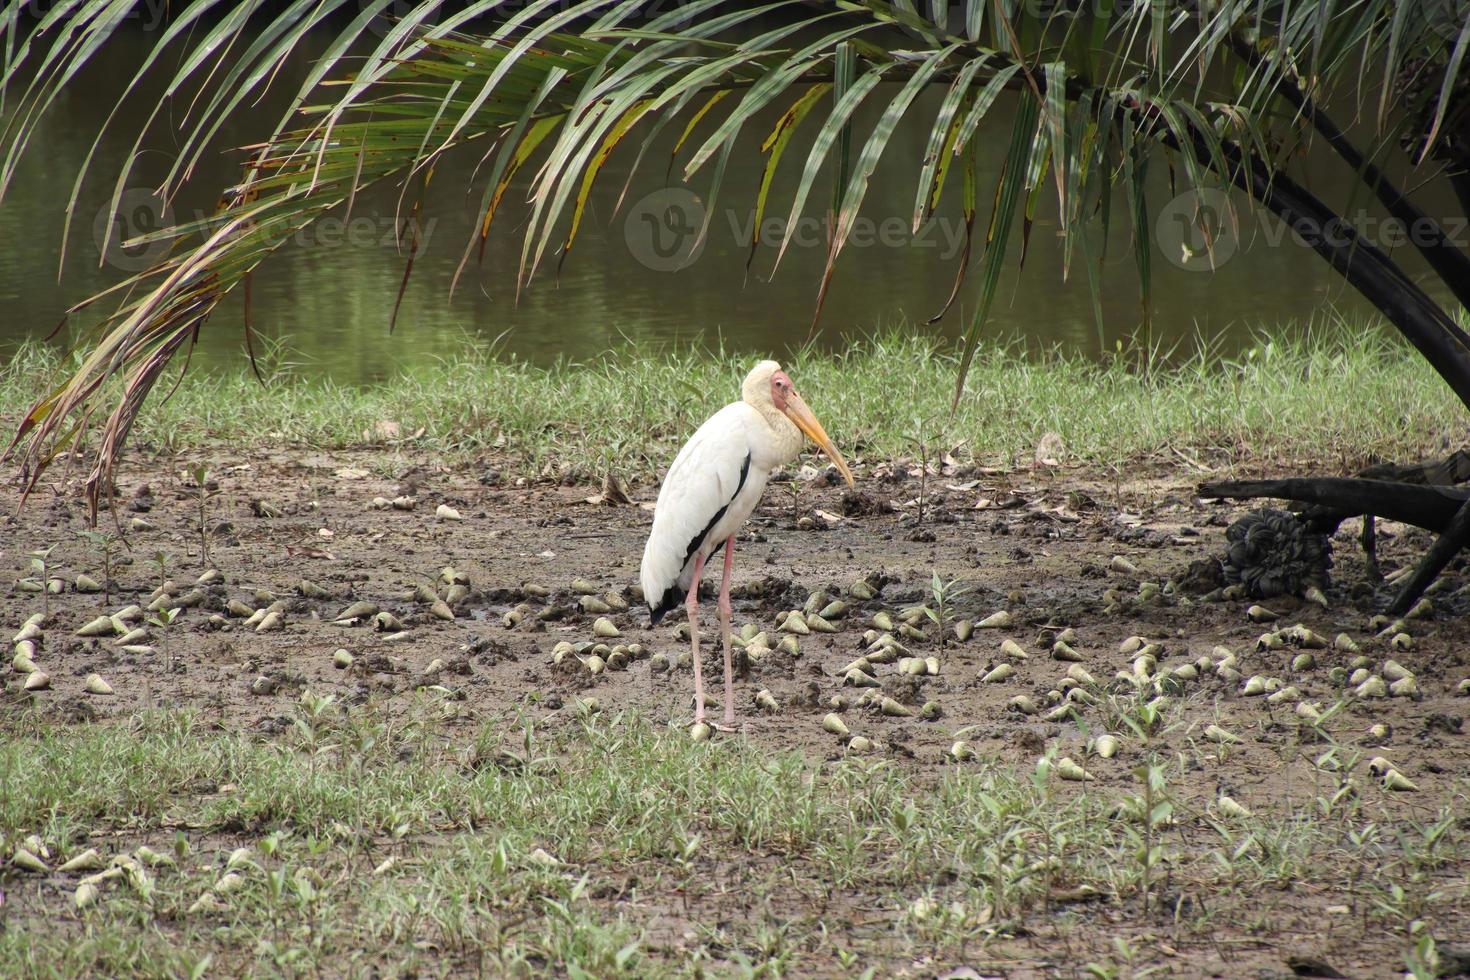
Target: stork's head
[{"x": 769, "y": 389}]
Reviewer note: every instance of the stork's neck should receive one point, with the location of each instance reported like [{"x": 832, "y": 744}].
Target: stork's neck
[{"x": 783, "y": 442}]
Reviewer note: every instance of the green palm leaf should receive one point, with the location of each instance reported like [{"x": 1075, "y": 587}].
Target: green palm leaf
[
  {"x": 1007, "y": 193},
  {"x": 555, "y": 88},
  {"x": 775, "y": 145}
]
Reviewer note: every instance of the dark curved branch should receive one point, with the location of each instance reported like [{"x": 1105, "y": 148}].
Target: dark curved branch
[
  {"x": 1432, "y": 508},
  {"x": 1440, "y": 554}
]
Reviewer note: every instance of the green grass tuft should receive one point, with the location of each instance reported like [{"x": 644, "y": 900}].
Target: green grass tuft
[
  {"x": 380, "y": 841},
  {"x": 1337, "y": 394}
]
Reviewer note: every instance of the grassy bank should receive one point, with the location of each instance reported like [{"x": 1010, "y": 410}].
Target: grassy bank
[
  {"x": 431, "y": 846},
  {"x": 1337, "y": 396}
]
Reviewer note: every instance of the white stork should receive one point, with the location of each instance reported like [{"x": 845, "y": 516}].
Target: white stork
[{"x": 714, "y": 484}]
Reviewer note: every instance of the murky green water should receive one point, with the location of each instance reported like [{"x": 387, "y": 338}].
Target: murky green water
[{"x": 327, "y": 297}]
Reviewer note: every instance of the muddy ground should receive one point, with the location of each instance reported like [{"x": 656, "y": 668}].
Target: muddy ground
[{"x": 1039, "y": 543}]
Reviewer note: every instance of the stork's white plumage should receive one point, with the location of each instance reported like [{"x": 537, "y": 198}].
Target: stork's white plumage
[{"x": 712, "y": 488}]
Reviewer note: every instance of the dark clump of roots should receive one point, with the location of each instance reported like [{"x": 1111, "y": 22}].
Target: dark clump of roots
[{"x": 1272, "y": 553}]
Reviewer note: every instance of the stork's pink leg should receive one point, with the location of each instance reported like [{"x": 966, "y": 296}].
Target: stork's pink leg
[
  {"x": 725, "y": 632},
  {"x": 692, "y": 604}
]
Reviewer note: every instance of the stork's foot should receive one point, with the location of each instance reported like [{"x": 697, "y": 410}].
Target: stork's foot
[{"x": 729, "y": 725}]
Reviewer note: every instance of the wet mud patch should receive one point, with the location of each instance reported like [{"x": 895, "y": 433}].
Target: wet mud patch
[{"x": 1050, "y": 624}]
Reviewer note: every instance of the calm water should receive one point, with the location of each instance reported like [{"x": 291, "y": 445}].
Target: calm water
[{"x": 328, "y": 296}]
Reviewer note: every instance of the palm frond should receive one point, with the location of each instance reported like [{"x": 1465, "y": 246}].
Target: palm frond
[
  {"x": 1008, "y": 190},
  {"x": 553, "y": 89}
]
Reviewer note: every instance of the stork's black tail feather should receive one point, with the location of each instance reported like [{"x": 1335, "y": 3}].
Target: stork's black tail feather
[
  {"x": 676, "y": 592},
  {"x": 669, "y": 601}
]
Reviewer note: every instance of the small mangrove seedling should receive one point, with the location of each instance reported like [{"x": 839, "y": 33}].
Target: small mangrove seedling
[
  {"x": 1142, "y": 718},
  {"x": 1119, "y": 965},
  {"x": 200, "y": 473},
  {"x": 1150, "y": 812},
  {"x": 795, "y": 488},
  {"x": 941, "y": 612},
  {"x": 311, "y": 721},
  {"x": 163, "y": 619},
  {"x": 920, "y": 438},
  {"x": 160, "y": 561},
  {"x": 105, "y": 542},
  {"x": 41, "y": 565}
]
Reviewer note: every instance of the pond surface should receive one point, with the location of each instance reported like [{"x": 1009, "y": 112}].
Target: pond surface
[{"x": 328, "y": 296}]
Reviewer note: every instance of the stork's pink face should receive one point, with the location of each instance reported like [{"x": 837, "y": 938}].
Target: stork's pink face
[
  {"x": 781, "y": 389},
  {"x": 790, "y": 404}
]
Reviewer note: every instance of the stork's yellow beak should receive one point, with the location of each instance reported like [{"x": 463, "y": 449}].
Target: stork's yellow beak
[{"x": 797, "y": 411}]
